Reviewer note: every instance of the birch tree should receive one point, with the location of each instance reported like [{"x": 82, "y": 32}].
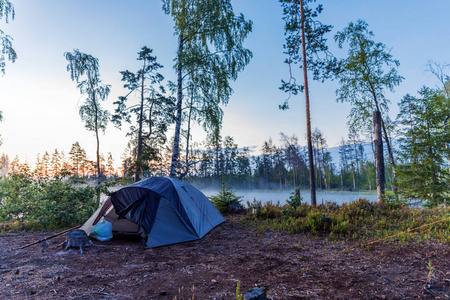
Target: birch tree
[
  {"x": 84, "y": 69},
  {"x": 210, "y": 54},
  {"x": 7, "y": 51},
  {"x": 368, "y": 73}
]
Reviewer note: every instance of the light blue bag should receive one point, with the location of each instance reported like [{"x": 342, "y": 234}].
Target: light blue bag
[{"x": 102, "y": 231}]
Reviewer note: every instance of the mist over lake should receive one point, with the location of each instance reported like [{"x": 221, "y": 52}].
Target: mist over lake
[{"x": 281, "y": 196}]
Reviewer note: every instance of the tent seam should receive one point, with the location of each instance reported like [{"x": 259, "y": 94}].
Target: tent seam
[{"x": 199, "y": 207}]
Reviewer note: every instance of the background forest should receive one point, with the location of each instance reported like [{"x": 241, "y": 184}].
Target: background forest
[{"x": 410, "y": 156}]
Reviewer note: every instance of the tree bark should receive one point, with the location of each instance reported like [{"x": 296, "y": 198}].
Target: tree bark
[
  {"x": 324, "y": 171},
  {"x": 318, "y": 167},
  {"x": 353, "y": 177},
  {"x": 312, "y": 184},
  {"x": 379, "y": 156},
  {"x": 138, "y": 164},
  {"x": 98, "y": 140},
  {"x": 186, "y": 171},
  {"x": 391, "y": 155},
  {"x": 368, "y": 178},
  {"x": 176, "y": 141},
  {"x": 446, "y": 132},
  {"x": 216, "y": 149}
]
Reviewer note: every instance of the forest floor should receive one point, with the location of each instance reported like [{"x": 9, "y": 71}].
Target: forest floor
[{"x": 290, "y": 266}]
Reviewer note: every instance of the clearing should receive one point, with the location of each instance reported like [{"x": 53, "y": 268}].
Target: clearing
[{"x": 296, "y": 266}]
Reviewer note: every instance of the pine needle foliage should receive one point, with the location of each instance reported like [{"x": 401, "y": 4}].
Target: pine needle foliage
[
  {"x": 225, "y": 198},
  {"x": 424, "y": 173}
]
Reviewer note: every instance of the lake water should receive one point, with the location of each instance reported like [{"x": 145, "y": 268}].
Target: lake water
[{"x": 282, "y": 195}]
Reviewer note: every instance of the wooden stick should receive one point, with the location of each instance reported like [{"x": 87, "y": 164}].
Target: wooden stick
[{"x": 47, "y": 238}]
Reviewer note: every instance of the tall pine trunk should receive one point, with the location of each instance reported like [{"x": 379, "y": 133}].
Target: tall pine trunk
[
  {"x": 139, "y": 143},
  {"x": 312, "y": 183}
]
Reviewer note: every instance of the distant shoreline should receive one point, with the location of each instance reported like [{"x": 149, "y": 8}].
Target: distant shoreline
[{"x": 281, "y": 196}]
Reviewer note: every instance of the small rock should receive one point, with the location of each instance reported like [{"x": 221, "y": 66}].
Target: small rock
[
  {"x": 44, "y": 245},
  {"x": 256, "y": 293},
  {"x": 235, "y": 207}
]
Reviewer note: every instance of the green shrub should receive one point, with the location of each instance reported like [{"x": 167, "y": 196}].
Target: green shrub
[
  {"x": 17, "y": 194},
  {"x": 359, "y": 219},
  {"x": 225, "y": 198},
  {"x": 295, "y": 200},
  {"x": 46, "y": 203}
]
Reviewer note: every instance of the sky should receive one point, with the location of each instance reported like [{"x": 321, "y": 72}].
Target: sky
[{"x": 40, "y": 103}]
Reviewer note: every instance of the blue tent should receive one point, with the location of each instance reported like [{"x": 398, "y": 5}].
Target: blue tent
[{"x": 166, "y": 210}]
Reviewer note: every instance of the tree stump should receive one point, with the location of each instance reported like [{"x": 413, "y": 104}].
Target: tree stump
[{"x": 77, "y": 238}]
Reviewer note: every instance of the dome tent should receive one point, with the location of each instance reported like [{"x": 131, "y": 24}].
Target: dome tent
[{"x": 162, "y": 210}]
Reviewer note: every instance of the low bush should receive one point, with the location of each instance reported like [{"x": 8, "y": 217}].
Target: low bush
[
  {"x": 46, "y": 203},
  {"x": 359, "y": 219},
  {"x": 295, "y": 200},
  {"x": 226, "y": 199}
]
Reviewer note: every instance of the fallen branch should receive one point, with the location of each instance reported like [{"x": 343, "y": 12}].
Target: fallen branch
[
  {"x": 406, "y": 231},
  {"x": 47, "y": 238}
]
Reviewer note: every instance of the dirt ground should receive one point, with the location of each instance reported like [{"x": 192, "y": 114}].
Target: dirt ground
[{"x": 289, "y": 266}]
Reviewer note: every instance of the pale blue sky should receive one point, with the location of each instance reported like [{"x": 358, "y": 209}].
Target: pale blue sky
[{"x": 40, "y": 103}]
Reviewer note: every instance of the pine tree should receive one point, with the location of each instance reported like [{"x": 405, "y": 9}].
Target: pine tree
[
  {"x": 56, "y": 163},
  {"x": 225, "y": 198},
  {"x": 110, "y": 165},
  {"x": 4, "y": 164},
  {"x": 152, "y": 113},
  {"x": 46, "y": 169},
  {"x": 77, "y": 158},
  {"x": 306, "y": 45},
  {"x": 423, "y": 173}
]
